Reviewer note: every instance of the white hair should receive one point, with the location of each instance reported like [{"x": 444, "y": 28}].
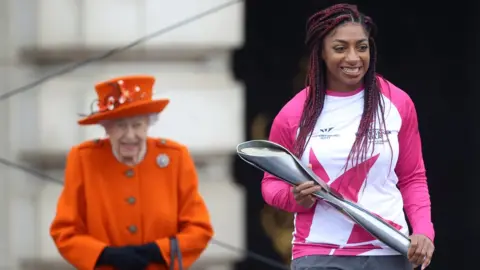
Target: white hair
[{"x": 152, "y": 119}]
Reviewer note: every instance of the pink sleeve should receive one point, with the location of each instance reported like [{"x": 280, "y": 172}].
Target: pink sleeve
[
  {"x": 276, "y": 192},
  {"x": 410, "y": 169}
]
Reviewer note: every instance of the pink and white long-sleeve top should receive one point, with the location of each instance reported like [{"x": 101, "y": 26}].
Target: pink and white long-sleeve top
[{"x": 391, "y": 179}]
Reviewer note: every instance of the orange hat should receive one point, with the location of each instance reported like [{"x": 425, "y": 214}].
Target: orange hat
[{"x": 125, "y": 97}]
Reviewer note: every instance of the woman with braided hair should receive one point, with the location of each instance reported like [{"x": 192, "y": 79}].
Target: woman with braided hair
[{"x": 359, "y": 133}]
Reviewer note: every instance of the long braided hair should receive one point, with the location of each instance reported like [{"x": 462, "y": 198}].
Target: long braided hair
[{"x": 318, "y": 26}]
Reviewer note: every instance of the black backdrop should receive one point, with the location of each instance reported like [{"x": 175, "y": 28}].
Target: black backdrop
[{"x": 427, "y": 49}]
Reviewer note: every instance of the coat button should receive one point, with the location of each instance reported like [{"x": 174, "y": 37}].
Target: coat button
[
  {"x": 131, "y": 200},
  {"x": 129, "y": 173},
  {"x": 132, "y": 229}
]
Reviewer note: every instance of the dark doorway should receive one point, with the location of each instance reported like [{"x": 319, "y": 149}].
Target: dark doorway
[{"x": 420, "y": 50}]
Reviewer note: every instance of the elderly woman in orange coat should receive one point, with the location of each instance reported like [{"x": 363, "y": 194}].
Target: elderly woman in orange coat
[{"x": 130, "y": 201}]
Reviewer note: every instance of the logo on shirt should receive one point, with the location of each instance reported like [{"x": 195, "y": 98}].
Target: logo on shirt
[
  {"x": 324, "y": 133},
  {"x": 378, "y": 136}
]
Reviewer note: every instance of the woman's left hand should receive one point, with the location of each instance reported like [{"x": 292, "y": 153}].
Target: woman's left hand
[{"x": 421, "y": 250}]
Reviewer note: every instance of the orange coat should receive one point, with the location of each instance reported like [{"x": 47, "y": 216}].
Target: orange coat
[{"x": 105, "y": 203}]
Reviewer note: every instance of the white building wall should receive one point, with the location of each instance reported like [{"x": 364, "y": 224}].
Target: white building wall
[{"x": 205, "y": 100}]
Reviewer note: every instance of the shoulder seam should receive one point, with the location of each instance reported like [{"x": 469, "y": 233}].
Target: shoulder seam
[
  {"x": 163, "y": 142},
  {"x": 95, "y": 143}
]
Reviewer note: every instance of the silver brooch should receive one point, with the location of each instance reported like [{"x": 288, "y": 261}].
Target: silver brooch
[{"x": 163, "y": 160}]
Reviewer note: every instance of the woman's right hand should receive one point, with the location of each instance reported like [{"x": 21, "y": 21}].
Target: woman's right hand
[{"x": 303, "y": 193}]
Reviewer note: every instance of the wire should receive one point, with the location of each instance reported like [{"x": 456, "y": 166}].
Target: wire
[
  {"x": 32, "y": 171},
  {"x": 73, "y": 66},
  {"x": 227, "y": 246}
]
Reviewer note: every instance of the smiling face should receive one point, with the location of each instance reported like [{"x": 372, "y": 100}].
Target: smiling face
[
  {"x": 346, "y": 53},
  {"x": 128, "y": 137}
]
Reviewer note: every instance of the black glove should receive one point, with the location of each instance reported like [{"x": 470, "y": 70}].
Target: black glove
[
  {"x": 151, "y": 252},
  {"x": 122, "y": 258}
]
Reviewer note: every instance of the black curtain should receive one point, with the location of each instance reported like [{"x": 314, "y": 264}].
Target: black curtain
[{"x": 427, "y": 48}]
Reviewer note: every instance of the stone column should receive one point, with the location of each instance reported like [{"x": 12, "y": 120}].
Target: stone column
[
  {"x": 4, "y": 136},
  {"x": 18, "y": 189},
  {"x": 4, "y": 172}
]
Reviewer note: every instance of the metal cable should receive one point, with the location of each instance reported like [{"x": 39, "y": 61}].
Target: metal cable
[
  {"x": 248, "y": 253},
  {"x": 76, "y": 65}
]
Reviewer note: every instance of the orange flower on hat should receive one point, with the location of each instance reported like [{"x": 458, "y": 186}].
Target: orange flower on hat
[{"x": 123, "y": 97}]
